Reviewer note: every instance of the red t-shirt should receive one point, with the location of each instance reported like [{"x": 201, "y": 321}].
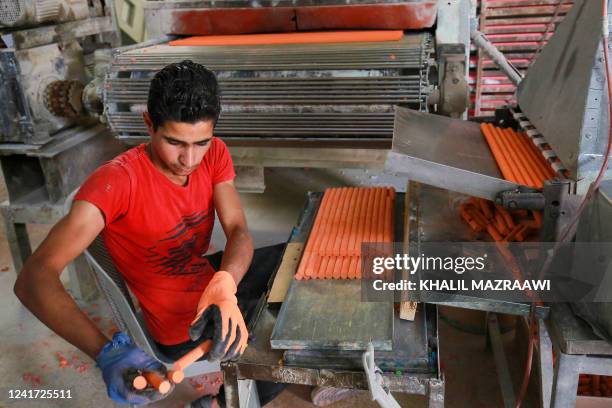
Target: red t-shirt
[{"x": 157, "y": 232}]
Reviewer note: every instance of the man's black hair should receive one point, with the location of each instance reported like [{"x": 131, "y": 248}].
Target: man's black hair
[{"x": 183, "y": 92}]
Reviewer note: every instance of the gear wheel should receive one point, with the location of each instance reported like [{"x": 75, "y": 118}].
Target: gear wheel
[{"x": 63, "y": 98}]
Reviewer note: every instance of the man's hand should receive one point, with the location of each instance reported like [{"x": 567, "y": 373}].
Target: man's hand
[
  {"x": 218, "y": 306},
  {"x": 117, "y": 358}
]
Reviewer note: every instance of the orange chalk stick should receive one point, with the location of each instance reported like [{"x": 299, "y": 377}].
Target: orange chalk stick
[
  {"x": 517, "y": 176},
  {"x": 507, "y": 217},
  {"x": 526, "y": 167},
  {"x": 139, "y": 382},
  {"x": 518, "y": 229},
  {"x": 537, "y": 155},
  {"x": 494, "y": 233},
  {"x": 478, "y": 217},
  {"x": 389, "y": 215},
  {"x": 176, "y": 376},
  {"x": 500, "y": 224},
  {"x": 538, "y": 176},
  {"x": 469, "y": 220},
  {"x": 157, "y": 381},
  {"x": 485, "y": 208},
  {"x": 191, "y": 357},
  {"x": 498, "y": 153},
  {"x": 342, "y": 239},
  {"x": 292, "y": 38}
]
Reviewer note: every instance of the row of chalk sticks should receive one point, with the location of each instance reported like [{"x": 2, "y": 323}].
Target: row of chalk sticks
[
  {"x": 519, "y": 160},
  {"x": 595, "y": 385},
  {"x": 499, "y": 223},
  {"x": 347, "y": 217},
  {"x": 140, "y": 380}
]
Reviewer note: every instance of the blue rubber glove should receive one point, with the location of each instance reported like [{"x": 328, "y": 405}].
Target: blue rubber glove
[{"x": 120, "y": 357}]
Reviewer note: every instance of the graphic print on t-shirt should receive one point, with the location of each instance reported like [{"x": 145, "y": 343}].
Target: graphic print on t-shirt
[{"x": 181, "y": 251}]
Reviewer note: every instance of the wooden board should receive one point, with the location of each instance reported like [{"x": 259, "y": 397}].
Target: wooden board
[
  {"x": 407, "y": 309},
  {"x": 329, "y": 314},
  {"x": 286, "y": 270}
]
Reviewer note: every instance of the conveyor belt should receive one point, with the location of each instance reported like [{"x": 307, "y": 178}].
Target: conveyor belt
[{"x": 295, "y": 91}]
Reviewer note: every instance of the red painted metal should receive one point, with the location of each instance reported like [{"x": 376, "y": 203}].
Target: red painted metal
[
  {"x": 223, "y": 21},
  {"x": 233, "y": 21},
  {"x": 517, "y": 28},
  {"x": 404, "y": 16}
]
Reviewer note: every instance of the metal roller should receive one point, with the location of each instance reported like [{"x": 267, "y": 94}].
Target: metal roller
[{"x": 340, "y": 91}]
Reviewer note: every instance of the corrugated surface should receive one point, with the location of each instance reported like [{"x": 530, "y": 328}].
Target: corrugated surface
[
  {"x": 518, "y": 28},
  {"x": 347, "y": 217},
  {"x": 344, "y": 91}
]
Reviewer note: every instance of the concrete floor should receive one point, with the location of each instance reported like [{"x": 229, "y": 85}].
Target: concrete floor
[{"x": 31, "y": 354}]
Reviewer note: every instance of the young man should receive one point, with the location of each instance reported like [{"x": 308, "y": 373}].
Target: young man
[{"x": 155, "y": 207}]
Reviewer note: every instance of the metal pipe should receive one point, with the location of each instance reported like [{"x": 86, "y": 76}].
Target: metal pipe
[{"x": 481, "y": 41}]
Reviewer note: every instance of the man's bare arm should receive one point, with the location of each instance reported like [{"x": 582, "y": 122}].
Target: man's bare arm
[
  {"x": 239, "y": 247},
  {"x": 39, "y": 287}
]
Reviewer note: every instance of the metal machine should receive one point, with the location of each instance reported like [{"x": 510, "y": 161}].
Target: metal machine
[
  {"x": 563, "y": 107},
  {"x": 318, "y": 92},
  {"x": 48, "y": 58},
  {"x": 48, "y": 53}
]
